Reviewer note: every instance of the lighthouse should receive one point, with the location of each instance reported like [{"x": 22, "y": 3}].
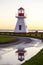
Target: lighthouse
[{"x": 20, "y": 25}]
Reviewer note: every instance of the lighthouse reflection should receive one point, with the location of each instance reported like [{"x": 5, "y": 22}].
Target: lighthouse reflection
[{"x": 21, "y": 54}]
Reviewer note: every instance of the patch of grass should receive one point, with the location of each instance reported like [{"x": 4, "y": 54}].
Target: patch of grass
[
  {"x": 36, "y": 60},
  {"x": 35, "y": 35},
  {"x": 7, "y": 38}
]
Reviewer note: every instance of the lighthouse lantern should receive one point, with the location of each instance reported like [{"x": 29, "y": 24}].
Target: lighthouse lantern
[
  {"x": 21, "y": 53},
  {"x": 21, "y": 56},
  {"x": 21, "y": 12}
]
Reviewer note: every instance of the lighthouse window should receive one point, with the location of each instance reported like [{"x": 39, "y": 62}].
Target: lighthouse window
[{"x": 19, "y": 27}]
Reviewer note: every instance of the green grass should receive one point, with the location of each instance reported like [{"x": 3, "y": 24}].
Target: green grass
[
  {"x": 7, "y": 38},
  {"x": 36, "y": 60},
  {"x": 30, "y": 34}
]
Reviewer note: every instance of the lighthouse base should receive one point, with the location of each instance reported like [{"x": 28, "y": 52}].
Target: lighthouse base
[{"x": 20, "y": 26}]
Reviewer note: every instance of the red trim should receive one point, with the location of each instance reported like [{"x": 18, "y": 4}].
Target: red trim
[
  {"x": 21, "y": 14},
  {"x": 21, "y": 54}
]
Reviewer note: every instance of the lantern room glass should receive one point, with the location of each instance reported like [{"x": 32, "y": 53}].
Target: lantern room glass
[{"x": 20, "y": 11}]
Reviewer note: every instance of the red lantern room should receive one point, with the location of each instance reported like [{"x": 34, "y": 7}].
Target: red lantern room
[
  {"x": 21, "y": 11},
  {"x": 21, "y": 53}
]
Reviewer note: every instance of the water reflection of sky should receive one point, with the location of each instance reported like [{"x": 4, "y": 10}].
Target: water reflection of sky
[{"x": 8, "y": 55}]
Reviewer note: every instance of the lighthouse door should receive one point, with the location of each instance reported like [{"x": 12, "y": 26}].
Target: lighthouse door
[{"x": 20, "y": 27}]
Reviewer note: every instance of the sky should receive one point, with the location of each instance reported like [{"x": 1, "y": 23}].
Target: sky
[{"x": 33, "y": 12}]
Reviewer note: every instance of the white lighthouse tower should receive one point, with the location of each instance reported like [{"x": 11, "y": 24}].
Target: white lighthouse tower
[{"x": 20, "y": 25}]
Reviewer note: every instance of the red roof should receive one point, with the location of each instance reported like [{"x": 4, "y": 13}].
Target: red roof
[{"x": 21, "y": 8}]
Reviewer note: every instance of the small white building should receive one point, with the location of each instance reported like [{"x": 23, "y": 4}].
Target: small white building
[{"x": 20, "y": 25}]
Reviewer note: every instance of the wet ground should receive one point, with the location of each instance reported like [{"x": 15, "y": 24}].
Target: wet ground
[{"x": 9, "y": 57}]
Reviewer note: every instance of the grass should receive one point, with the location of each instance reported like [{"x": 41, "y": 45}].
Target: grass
[
  {"x": 36, "y": 60},
  {"x": 7, "y": 38},
  {"x": 30, "y": 34}
]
